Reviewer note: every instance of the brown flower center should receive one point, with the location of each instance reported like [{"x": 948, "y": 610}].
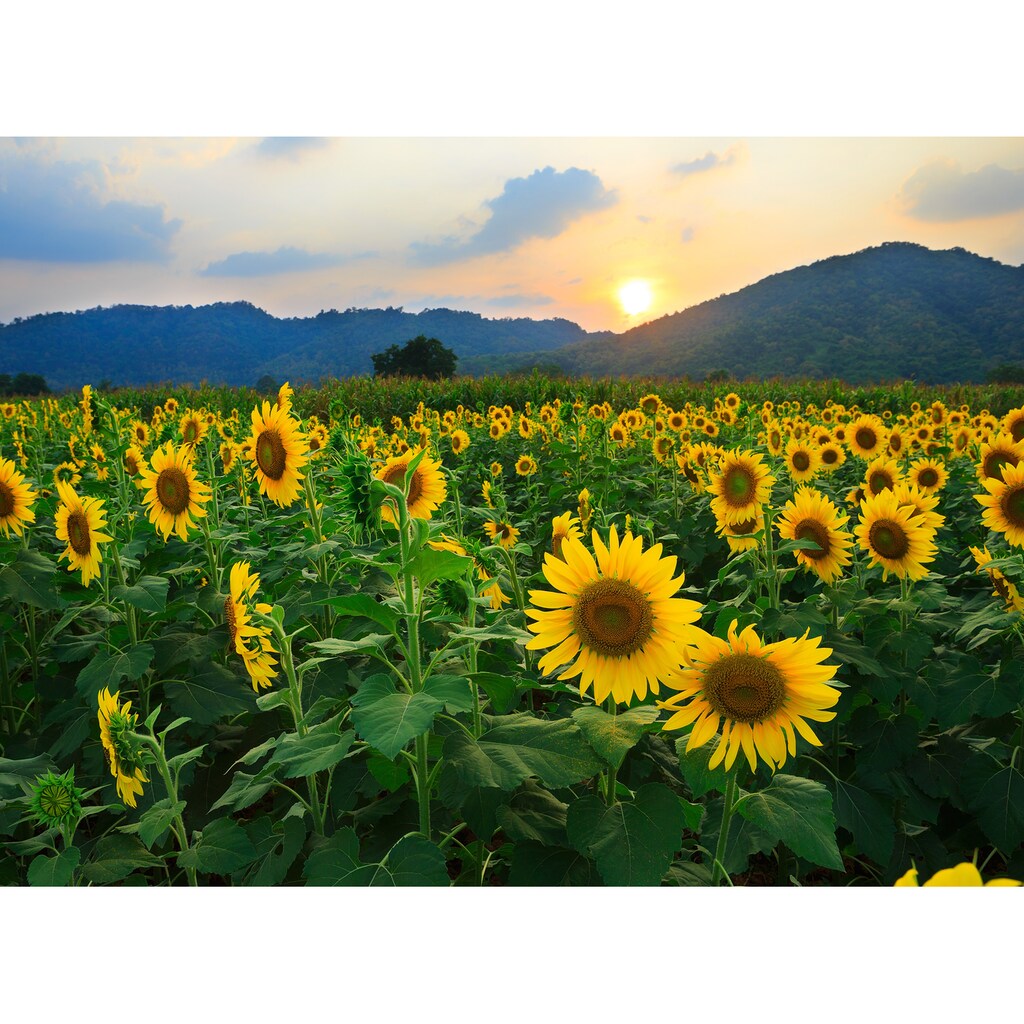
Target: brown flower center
[
  {"x": 1012, "y": 505},
  {"x": 801, "y": 461},
  {"x": 172, "y": 490},
  {"x": 993, "y": 464},
  {"x": 811, "y": 529},
  {"x": 928, "y": 477},
  {"x": 612, "y": 617},
  {"x": 78, "y": 533},
  {"x": 394, "y": 475},
  {"x": 829, "y": 456},
  {"x": 739, "y": 486},
  {"x": 866, "y": 438},
  {"x": 270, "y": 454},
  {"x": 880, "y": 480},
  {"x": 6, "y": 500},
  {"x": 1017, "y": 429},
  {"x": 744, "y": 688},
  {"x": 888, "y": 539},
  {"x": 190, "y": 432}
]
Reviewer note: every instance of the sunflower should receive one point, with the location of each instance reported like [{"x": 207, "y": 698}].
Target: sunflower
[
  {"x": 424, "y": 491},
  {"x": 174, "y": 492},
  {"x": 676, "y": 421},
  {"x": 881, "y": 475},
  {"x": 1013, "y": 423},
  {"x": 1004, "y": 504},
  {"x": 693, "y": 477},
  {"x": 134, "y": 460},
  {"x": 894, "y": 538},
  {"x": 318, "y": 439},
  {"x": 741, "y": 485},
  {"x": 895, "y": 442},
  {"x": 497, "y": 430},
  {"x": 228, "y": 454},
  {"x": 773, "y": 437},
  {"x": 866, "y": 437},
  {"x": 565, "y": 525},
  {"x": 619, "y": 434},
  {"x": 921, "y": 505},
  {"x": 140, "y": 433},
  {"x": 812, "y": 516},
  {"x": 1003, "y": 587},
  {"x": 739, "y": 535},
  {"x": 997, "y": 453},
  {"x": 614, "y": 619},
  {"x": 170, "y": 406},
  {"x": 526, "y": 465},
  {"x": 832, "y": 457},
  {"x": 80, "y": 522},
  {"x": 584, "y": 508},
  {"x": 251, "y": 642},
  {"x": 757, "y": 692},
  {"x": 965, "y": 874},
  {"x": 120, "y": 746},
  {"x": 802, "y": 460},
  {"x": 16, "y": 499},
  {"x": 502, "y": 533},
  {"x": 460, "y": 441},
  {"x": 663, "y": 446},
  {"x": 928, "y": 475},
  {"x": 279, "y": 451},
  {"x": 192, "y": 428}
]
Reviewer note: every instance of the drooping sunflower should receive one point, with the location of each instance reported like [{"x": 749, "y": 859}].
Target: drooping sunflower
[
  {"x": 894, "y": 537},
  {"x": 802, "y": 460},
  {"x": 866, "y": 437},
  {"x": 502, "y": 533},
  {"x": 997, "y": 453},
  {"x": 1003, "y": 588},
  {"x": 424, "y": 492},
  {"x": 928, "y": 475},
  {"x": 1004, "y": 504},
  {"x": 812, "y": 516},
  {"x": 173, "y": 491},
  {"x": 740, "y": 486},
  {"x": 80, "y": 523},
  {"x": 565, "y": 525},
  {"x": 279, "y": 451},
  {"x": 881, "y": 475},
  {"x": 251, "y": 641},
  {"x": 758, "y": 693},
  {"x": 612, "y": 620},
  {"x": 122, "y": 750},
  {"x": 739, "y": 535},
  {"x": 16, "y": 499}
]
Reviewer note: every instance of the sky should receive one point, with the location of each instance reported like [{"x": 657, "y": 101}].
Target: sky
[{"x": 539, "y": 227}]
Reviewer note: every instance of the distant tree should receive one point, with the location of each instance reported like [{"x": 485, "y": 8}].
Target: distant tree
[
  {"x": 266, "y": 385},
  {"x": 1006, "y": 373},
  {"x": 29, "y": 384},
  {"x": 420, "y": 357},
  {"x": 718, "y": 377},
  {"x": 5, "y": 384}
]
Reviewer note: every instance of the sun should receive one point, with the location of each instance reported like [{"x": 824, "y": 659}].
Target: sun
[{"x": 635, "y": 297}]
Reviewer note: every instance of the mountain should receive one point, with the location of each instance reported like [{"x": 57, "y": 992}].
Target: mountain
[
  {"x": 894, "y": 311},
  {"x": 237, "y": 343}
]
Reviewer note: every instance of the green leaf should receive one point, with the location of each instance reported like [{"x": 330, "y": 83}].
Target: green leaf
[
  {"x": 321, "y": 748},
  {"x": 30, "y": 580},
  {"x": 367, "y": 607},
  {"x": 223, "y": 847},
  {"x": 336, "y": 862},
  {"x": 885, "y": 742},
  {"x": 116, "y": 857},
  {"x": 392, "y": 720},
  {"x": 632, "y": 843},
  {"x": 147, "y": 593},
  {"x": 999, "y": 804},
  {"x": 157, "y": 820},
  {"x": 797, "y": 812},
  {"x": 868, "y": 819},
  {"x": 289, "y": 837},
  {"x": 534, "y": 814},
  {"x": 519, "y": 746},
  {"x": 694, "y": 765},
  {"x": 208, "y": 695},
  {"x": 614, "y": 736},
  {"x": 391, "y": 775},
  {"x": 453, "y": 692},
  {"x": 429, "y": 566},
  {"x": 500, "y": 690},
  {"x": 415, "y": 861},
  {"x": 107, "y": 669},
  {"x": 245, "y": 790},
  {"x": 13, "y": 773},
  {"x": 57, "y": 870},
  {"x": 176, "y": 646},
  {"x": 377, "y": 642},
  {"x": 534, "y": 865}
]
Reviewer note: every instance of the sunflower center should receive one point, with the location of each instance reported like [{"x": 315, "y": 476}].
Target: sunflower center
[
  {"x": 811, "y": 529},
  {"x": 880, "y": 481},
  {"x": 6, "y": 500},
  {"x": 506, "y": 531},
  {"x": 829, "y": 455},
  {"x": 994, "y": 462},
  {"x": 130, "y": 465},
  {"x": 394, "y": 475},
  {"x": 739, "y": 486},
  {"x": 744, "y": 688},
  {"x": 1017, "y": 429},
  {"x": 78, "y": 533},
  {"x": 190, "y": 432},
  {"x": 173, "y": 491},
  {"x": 928, "y": 477},
  {"x": 889, "y": 539},
  {"x": 270, "y": 454},
  {"x": 1012, "y": 505},
  {"x": 866, "y": 438},
  {"x": 612, "y": 617},
  {"x": 801, "y": 461}
]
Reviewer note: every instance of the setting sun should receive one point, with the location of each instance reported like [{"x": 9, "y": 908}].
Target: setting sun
[{"x": 635, "y": 297}]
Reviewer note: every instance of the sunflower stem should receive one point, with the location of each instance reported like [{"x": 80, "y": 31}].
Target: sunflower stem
[
  {"x": 718, "y": 869},
  {"x": 177, "y": 824},
  {"x": 613, "y": 772},
  {"x": 213, "y": 487}
]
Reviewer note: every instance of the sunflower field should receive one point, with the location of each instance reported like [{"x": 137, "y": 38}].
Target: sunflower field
[{"x": 513, "y": 633}]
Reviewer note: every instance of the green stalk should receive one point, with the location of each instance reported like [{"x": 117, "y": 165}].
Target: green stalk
[
  {"x": 613, "y": 773},
  {"x": 178, "y": 824},
  {"x": 718, "y": 869}
]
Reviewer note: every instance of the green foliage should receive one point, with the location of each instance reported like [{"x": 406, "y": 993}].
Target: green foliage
[{"x": 419, "y": 357}]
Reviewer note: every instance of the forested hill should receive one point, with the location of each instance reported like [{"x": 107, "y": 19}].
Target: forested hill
[
  {"x": 237, "y": 343},
  {"x": 895, "y": 311}
]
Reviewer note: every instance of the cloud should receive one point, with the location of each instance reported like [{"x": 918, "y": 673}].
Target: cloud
[
  {"x": 942, "y": 191},
  {"x": 688, "y": 233},
  {"x": 708, "y": 162},
  {"x": 289, "y": 147},
  {"x": 61, "y": 212},
  {"x": 540, "y": 206},
  {"x": 285, "y": 260}
]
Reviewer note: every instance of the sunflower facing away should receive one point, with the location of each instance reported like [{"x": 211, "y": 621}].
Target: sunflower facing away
[
  {"x": 1004, "y": 504},
  {"x": 1004, "y": 589},
  {"x": 173, "y": 492},
  {"x": 894, "y": 536},
  {"x": 424, "y": 492},
  {"x": 758, "y": 693},
  {"x": 740, "y": 487},
  {"x": 121, "y": 748},
  {"x": 250, "y": 641},
  {"x": 279, "y": 450},
  {"x": 16, "y": 499},
  {"x": 812, "y": 516},
  {"x": 614, "y": 619},
  {"x": 79, "y": 523}
]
